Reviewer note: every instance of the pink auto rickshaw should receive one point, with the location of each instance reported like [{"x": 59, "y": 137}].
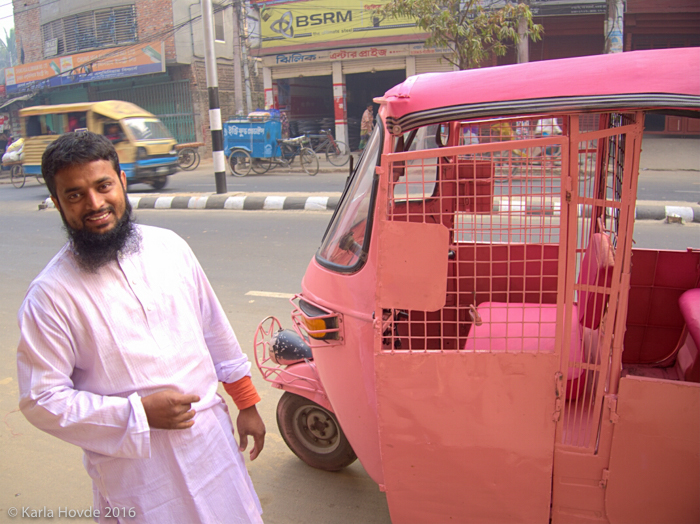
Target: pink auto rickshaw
[{"x": 478, "y": 327}]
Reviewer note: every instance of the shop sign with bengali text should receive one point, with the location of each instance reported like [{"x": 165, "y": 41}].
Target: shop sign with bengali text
[
  {"x": 351, "y": 53},
  {"x": 567, "y": 7},
  {"x": 92, "y": 66},
  {"x": 315, "y": 21}
]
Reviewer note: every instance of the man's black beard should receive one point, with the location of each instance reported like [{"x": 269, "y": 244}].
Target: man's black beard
[{"x": 94, "y": 250}]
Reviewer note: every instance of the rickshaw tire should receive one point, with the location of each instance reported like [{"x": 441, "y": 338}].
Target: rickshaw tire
[
  {"x": 261, "y": 165},
  {"x": 159, "y": 183},
  {"x": 240, "y": 167},
  {"x": 18, "y": 176},
  {"x": 187, "y": 158},
  {"x": 293, "y": 413},
  {"x": 338, "y": 157},
  {"x": 41, "y": 180},
  {"x": 309, "y": 161},
  {"x": 197, "y": 160}
]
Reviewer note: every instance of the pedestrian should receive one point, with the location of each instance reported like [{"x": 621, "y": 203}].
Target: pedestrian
[
  {"x": 284, "y": 121},
  {"x": 366, "y": 126},
  {"x": 122, "y": 344},
  {"x": 4, "y": 141}
]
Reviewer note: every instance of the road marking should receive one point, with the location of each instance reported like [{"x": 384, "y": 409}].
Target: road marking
[{"x": 269, "y": 294}]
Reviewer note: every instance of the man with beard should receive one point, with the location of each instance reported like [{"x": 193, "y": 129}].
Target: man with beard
[{"x": 122, "y": 344}]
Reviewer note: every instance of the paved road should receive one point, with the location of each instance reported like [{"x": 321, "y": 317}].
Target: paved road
[{"x": 201, "y": 180}]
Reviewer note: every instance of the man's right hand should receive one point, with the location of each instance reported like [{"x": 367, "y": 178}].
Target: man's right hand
[{"x": 169, "y": 409}]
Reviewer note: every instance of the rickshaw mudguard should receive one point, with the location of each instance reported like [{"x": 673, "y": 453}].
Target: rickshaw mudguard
[{"x": 302, "y": 379}]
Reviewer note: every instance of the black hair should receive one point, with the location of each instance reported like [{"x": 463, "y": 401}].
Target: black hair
[{"x": 75, "y": 149}]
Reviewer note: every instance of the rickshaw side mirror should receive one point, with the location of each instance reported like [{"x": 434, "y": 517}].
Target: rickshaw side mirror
[{"x": 412, "y": 266}]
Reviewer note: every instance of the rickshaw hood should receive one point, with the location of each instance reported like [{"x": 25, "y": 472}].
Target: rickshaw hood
[{"x": 632, "y": 79}]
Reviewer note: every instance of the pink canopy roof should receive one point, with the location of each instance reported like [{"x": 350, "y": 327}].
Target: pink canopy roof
[{"x": 666, "y": 78}]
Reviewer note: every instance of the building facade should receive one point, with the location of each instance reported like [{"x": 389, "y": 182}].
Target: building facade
[
  {"x": 324, "y": 60},
  {"x": 149, "y": 52}
]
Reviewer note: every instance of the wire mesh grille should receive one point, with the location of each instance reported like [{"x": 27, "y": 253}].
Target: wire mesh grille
[{"x": 532, "y": 243}]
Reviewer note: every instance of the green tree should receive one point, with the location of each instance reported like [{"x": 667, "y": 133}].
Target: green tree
[{"x": 470, "y": 30}]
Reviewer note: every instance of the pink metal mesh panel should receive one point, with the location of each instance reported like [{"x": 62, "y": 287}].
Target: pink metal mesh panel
[{"x": 522, "y": 277}]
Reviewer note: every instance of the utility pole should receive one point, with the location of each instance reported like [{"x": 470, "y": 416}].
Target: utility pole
[
  {"x": 217, "y": 135},
  {"x": 237, "y": 78},
  {"x": 246, "y": 63}
]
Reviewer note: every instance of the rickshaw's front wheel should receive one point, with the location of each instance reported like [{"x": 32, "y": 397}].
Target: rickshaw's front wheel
[
  {"x": 17, "y": 176},
  {"x": 313, "y": 433},
  {"x": 309, "y": 161}
]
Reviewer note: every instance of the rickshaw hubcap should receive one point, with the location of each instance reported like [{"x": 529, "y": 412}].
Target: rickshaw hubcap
[{"x": 316, "y": 429}]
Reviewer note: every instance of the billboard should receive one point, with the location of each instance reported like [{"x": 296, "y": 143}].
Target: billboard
[
  {"x": 103, "y": 64},
  {"x": 316, "y": 22}
]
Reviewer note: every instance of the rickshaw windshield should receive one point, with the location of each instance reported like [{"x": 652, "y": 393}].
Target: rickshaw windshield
[
  {"x": 147, "y": 129},
  {"x": 345, "y": 245}
]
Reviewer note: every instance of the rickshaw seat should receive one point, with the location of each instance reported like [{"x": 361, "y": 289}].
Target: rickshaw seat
[{"x": 526, "y": 328}]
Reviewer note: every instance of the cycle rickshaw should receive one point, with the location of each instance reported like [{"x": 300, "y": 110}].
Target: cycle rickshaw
[{"x": 256, "y": 144}]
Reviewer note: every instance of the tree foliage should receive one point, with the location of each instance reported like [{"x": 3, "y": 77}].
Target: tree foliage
[{"x": 470, "y": 30}]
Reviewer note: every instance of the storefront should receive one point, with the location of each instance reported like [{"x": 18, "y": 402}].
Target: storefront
[
  {"x": 323, "y": 63},
  {"x": 331, "y": 88}
]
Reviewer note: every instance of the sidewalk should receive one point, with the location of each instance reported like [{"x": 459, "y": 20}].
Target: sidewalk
[{"x": 659, "y": 154}]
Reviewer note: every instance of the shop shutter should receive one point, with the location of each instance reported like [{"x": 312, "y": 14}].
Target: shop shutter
[
  {"x": 432, "y": 64},
  {"x": 378, "y": 64},
  {"x": 303, "y": 69}
]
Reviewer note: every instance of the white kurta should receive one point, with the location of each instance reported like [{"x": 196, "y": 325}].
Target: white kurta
[{"x": 92, "y": 344}]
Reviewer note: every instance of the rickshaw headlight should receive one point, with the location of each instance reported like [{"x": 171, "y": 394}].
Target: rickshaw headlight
[
  {"x": 319, "y": 324},
  {"x": 141, "y": 153}
]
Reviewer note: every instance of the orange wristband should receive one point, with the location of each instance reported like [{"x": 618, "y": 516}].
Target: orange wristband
[{"x": 242, "y": 392}]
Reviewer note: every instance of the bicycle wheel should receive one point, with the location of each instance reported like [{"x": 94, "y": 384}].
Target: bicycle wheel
[
  {"x": 240, "y": 162},
  {"x": 338, "y": 155},
  {"x": 262, "y": 165},
  {"x": 17, "y": 176},
  {"x": 309, "y": 161},
  {"x": 186, "y": 158}
]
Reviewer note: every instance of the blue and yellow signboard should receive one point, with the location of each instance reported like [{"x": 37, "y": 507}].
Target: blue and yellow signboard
[{"x": 103, "y": 64}]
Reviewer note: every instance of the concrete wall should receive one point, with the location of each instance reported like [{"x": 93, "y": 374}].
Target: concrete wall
[
  {"x": 28, "y": 30},
  {"x": 189, "y": 41}
]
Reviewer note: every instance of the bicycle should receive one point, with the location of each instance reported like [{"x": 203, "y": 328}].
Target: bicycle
[
  {"x": 336, "y": 151},
  {"x": 241, "y": 162},
  {"x": 188, "y": 155}
]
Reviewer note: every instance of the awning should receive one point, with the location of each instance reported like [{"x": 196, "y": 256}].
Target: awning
[{"x": 17, "y": 99}]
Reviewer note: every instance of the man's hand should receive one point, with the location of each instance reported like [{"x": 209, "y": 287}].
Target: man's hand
[
  {"x": 169, "y": 409},
  {"x": 250, "y": 423}
]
